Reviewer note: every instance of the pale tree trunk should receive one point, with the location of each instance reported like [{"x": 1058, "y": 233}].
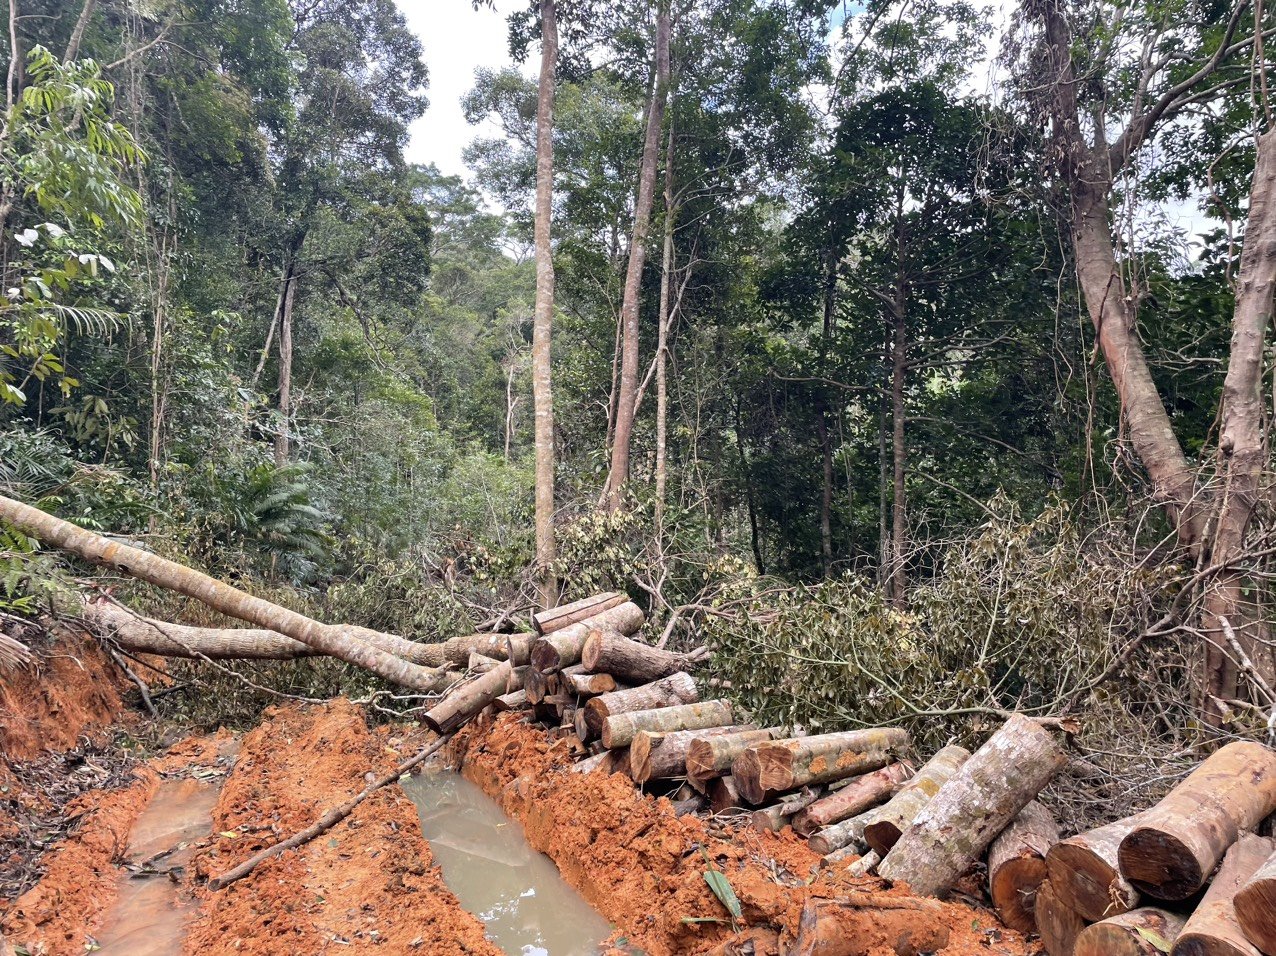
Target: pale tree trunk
[
  {"x": 626, "y": 402},
  {"x": 77, "y": 34},
  {"x": 662, "y": 343},
  {"x": 899, "y": 458},
  {"x": 282, "y": 444},
  {"x": 822, "y": 419},
  {"x": 542, "y": 395}
]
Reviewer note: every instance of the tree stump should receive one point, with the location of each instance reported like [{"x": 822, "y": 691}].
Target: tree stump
[
  {"x": 1017, "y": 866},
  {"x": 888, "y": 822}
]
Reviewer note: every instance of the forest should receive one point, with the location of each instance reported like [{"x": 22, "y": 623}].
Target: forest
[{"x": 901, "y": 364}]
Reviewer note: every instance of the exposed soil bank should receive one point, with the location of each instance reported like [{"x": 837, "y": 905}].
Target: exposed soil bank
[{"x": 642, "y": 867}]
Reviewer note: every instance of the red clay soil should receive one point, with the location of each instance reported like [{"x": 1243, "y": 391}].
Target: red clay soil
[
  {"x": 643, "y": 868},
  {"x": 368, "y": 883}
]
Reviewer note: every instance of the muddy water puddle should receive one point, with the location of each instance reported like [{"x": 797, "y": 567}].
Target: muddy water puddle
[{"x": 527, "y": 907}]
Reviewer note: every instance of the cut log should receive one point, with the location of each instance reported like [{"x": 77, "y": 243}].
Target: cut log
[
  {"x": 557, "y": 618},
  {"x": 841, "y": 835},
  {"x": 631, "y": 661},
  {"x": 723, "y": 796},
  {"x": 776, "y": 817},
  {"x": 669, "y": 692},
  {"x": 1213, "y": 928},
  {"x": 1256, "y": 907},
  {"x": 619, "y": 729},
  {"x": 661, "y": 756},
  {"x": 859, "y": 794},
  {"x": 1085, "y": 874},
  {"x": 537, "y": 685},
  {"x": 711, "y": 757},
  {"x": 466, "y": 701},
  {"x": 609, "y": 761},
  {"x": 856, "y": 925},
  {"x": 564, "y": 647},
  {"x": 480, "y": 663},
  {"x": 865, "y": 864},
  {"x": 582, "y": 728},
  {"x": 681, "y": 808},
  {"x": 516, "y": 700},
  {"x": 1017, "y": 866},
  {"x": 1142, "y": 932},
  {"x": 1178, "y": 843},
  {"x": 976, "y": 804},
  {"x": 518, "y": 649},
  {"x": 768, "y": 769},
  {"x": 1058, "y": 924},
  {"x": 887, "y": 822},
  {"x": 590, "y": 684}
]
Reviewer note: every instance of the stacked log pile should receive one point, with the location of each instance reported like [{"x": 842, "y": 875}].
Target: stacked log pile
[{"x": 1133, "y": 886}]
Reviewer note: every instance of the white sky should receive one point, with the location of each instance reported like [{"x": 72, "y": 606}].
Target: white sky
[{"x": 457, "y": 39}]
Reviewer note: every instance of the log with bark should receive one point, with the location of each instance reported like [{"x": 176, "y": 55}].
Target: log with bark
[
  {"x": 767, "y": 769},
  {"x": 565, "y": 615},
  {"x": 845, "y": 834},
  {"x": 887, "y": 822},
  {"x": 1017, "y": 866},
  {"x": 1213, "y": 929},
  {"x": 1178, "y": 843},
  {"x": 619, "y": 729},
  {"x": 515, "y": 700},
  {"x": 608, "y": 651},
  {"x": 537, "y": 685},
  {"x": 776, "y": 817},
  {"x": 857, "y": 795},
  {"x": 1142, "y": 932},
  {"x": 480, "y": 663},
  {"x": 675, "y": 689},
  {"x": 1256, "y": 907},
  {"x": 1058, "y": 924},
  {"x": 865, "y": 864},
  {"x": 590, "y": 685},
  {"x": 857, "y": 923},
  {"x": 361, "y": 647},
  {"x": 976, "y": 804},
  {"x": 466, "y": 701},
  {"x": 1085, "y": 873},
  {"x": 661, "y": 756},
  {"x": 563, "y": 647},
  {"x": 711, "y": 757}
]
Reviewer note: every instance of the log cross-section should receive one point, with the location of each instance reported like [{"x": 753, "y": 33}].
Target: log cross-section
[
  {"x": 1142, "y": 932},
  {"x": 1085, "y": 874},
  {"x": 1256, "y": 907},
  {"x": 711, "y": 757},
  {"x": 1017, "y": 866},
  {"x": 1213, "y": 928}
]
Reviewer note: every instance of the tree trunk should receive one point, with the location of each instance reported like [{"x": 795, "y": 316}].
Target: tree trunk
[
  {"x": 565, "y": 615},
  {"x": 899, "y": 460},
  {"x": 563, "y": 647},
  {"x": 77, "y": 34},
  {"x": 607, "y": 652},
  {"x": 862, "y": 793},
  {"x": 856, "y": 925},
  {"x": 662, "y": 756},
  {"x": 670, "y": 692},
  {"x": 662, "y": 339},
  {"x": 976, "y": 804},
  {"x": 626, "y": 405},
  {"x": 1085, "y": 874},
  {"x": 1213, "y": 928},
  {"x": 1142, "y": 932},
  {"x": 1176, "y": 844},
  {"x": 349, "y": 644},
  {"x": 1256, "y": 906},
  {"x": 846, "y": 834},
  {"x": 464, "y": 702},
  {"x": 709, "y": 758},
  {"x": 1058, "y": 924},
  {"x": 282, "y": 441},
  {"x": 768, "y": 769},
  {"x": 619, "y": 729},
  {"x": 1017, "y": 866},
  {"x": 543, "y": 323},
  {"x": 887, "y": 823}
]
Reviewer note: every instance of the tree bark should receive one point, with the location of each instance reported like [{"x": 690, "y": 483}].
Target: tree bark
[
  {"x": 709, "y": 758},
  {"x": 565, "y": 615},
  {"x": 282, "y": 440},
  {"x": 347, "y": 643},
  {"x": 626, "y": 400},
  {"x": 776, "y": 817},
  {"x": 1085, "y": 874},
  {"x": 563, "y": 647},
  {"x": 1213, "y": 928},
  {"x": 899, "y": 450},
  {"x": 662, "y": 338},
  {"x": 1178, "y": 843},
  {"x": 976, "y": 804},
  {"x": 671, "y": 691},
  {"x": 662, "y": 756},
  {"x": 619, "y": 729},
  {"x": 768, "y": 769},
  {"x": 77, "y": 33},
  {"x": 1017, "y": 866},
  {"x": 543, "y": 322},
  {"x": 862, "y": 793},
  {"x": 466, "y": 701},
  {"x": 1142, "y": 932},
  {"x": 1058, "y": 924},
  {"x": 887, "y": 823},
  {"x": 842, "y": 835},
  {"x": 1256, "y": 907},
  {"x": 607, "y": 652}
]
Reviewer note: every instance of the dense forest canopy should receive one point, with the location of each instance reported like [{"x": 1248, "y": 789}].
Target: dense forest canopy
[{"x": 882, "y": 374}]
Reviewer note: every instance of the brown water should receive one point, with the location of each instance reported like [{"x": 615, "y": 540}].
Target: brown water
[{"x": 526, "y": 906}]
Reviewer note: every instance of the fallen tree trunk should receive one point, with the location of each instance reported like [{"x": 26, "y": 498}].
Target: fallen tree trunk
[
  {"x": 673, "y": 690},
  {"x": 1141, "y": 932},
  {"x": 1256, "y": 907},
  {"x": 976, "y": 804},
  {"x": 778, "y": 766},
  {"x": 1017, "y": 866},
  {"x": 327, "y": 821},
  {"x": 464, "y": 702},
  {"x": 888, "y": 822},
  {"x": 1213, "y": 928},
  {"x": 565, "y": 615},
  {"x": 709, "y": 758},
  {"x": 1085, "y": 874},
  {"x": 619, "y": 729},
  {"x": 661, "y": 756},
  {"x": 563, "y": 648},
  {"x": 358, "y": 646},
  {"x": 1179, "y": 842},
  {"x": 1058, "y": 924},
  {"x": 862, "y": 793},
  {"x": 632, "y": 661},
  {"x": 856, "y": 924}
]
